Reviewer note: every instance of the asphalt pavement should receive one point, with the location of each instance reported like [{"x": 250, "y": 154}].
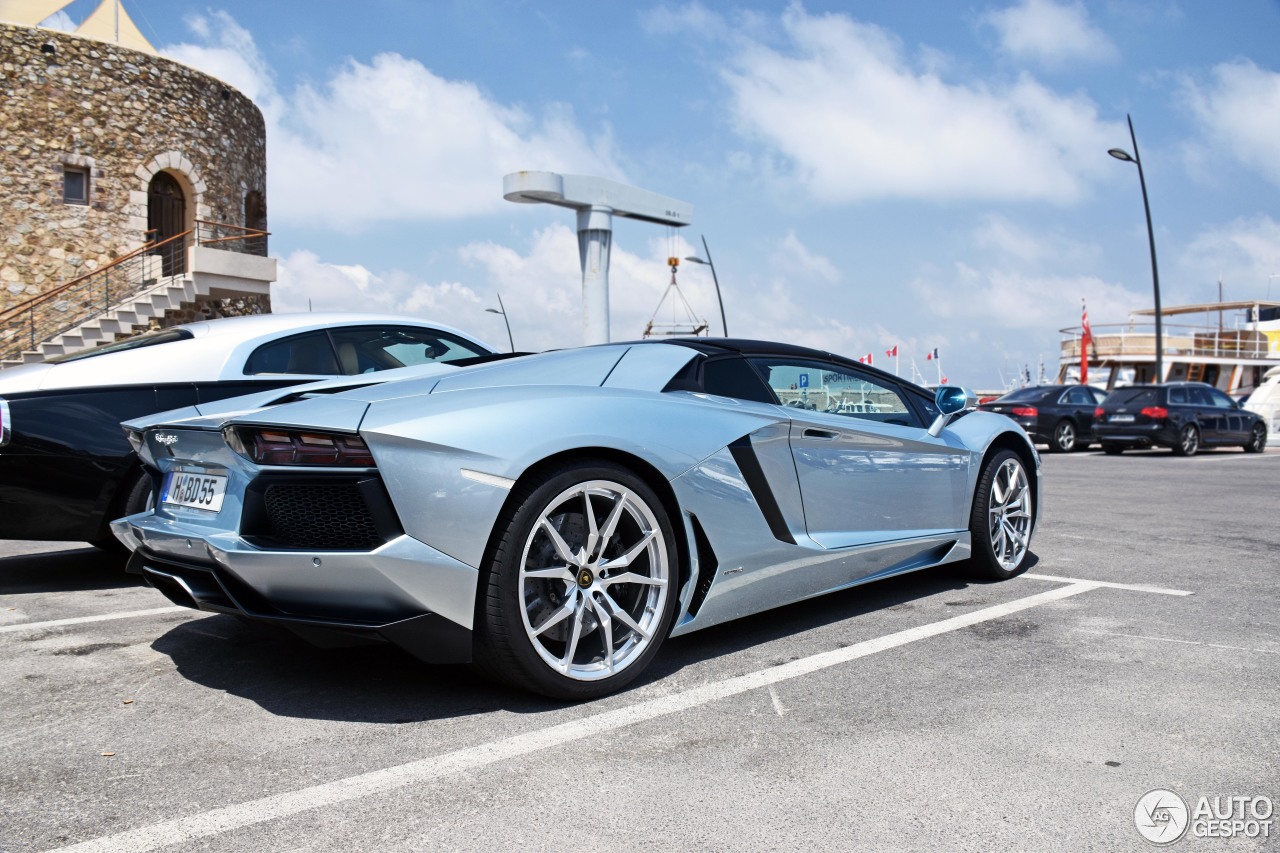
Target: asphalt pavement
[{"x": 1140, "y": 652}]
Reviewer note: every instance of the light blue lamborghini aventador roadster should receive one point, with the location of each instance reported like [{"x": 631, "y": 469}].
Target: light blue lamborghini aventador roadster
[{"x": 554, "y": 517}]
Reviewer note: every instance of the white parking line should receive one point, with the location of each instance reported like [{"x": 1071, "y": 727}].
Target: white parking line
[
  {"x": 82, "y": 620},
  {"x": 184, "y": 830},
  {"x": 1134, "y": 587}
]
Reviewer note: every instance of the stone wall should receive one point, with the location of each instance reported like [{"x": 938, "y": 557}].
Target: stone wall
[{"x": 67, "y": 101}]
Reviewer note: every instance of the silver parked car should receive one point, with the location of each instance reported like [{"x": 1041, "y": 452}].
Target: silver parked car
[{"x": 555, "y": 517}]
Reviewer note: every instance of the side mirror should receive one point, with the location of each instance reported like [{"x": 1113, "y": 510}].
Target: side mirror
[{"x": 951, "y": 400}]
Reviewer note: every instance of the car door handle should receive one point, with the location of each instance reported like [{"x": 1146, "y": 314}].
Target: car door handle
[{"x": 824, "y": 434}]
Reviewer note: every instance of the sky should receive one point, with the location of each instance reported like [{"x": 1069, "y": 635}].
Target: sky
[{"x": 930, "y": 175}]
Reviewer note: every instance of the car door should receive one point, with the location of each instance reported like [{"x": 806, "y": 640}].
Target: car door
[
  {"x": 1211, "y": 419},
  {"x": 1232, "y": 429},
  {"x": 867, "y": 468},
  {"x": 1078, "y": 404}
]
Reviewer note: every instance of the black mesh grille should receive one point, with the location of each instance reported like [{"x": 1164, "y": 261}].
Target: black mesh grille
[{"x": 330, "y": 516}]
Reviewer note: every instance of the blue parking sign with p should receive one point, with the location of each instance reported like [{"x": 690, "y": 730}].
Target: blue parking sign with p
[{"x": 804, "y": 380}]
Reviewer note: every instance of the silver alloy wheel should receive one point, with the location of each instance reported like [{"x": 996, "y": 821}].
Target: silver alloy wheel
[
  {"x": 1064, "y": 436},
  {"x": 1009, "y": 514},
  {"x": 594, "y": 580},
  {"x": 1258, "y": 440},
  {"x": 1189, "y": 440}
]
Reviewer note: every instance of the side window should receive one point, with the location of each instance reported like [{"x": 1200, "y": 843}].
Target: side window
[
  {"x": 733, "y": 377},
  {"x": 309, "y": 354},
  {"x": 1078, "y": 397},
  {"x": 366, "y": 349},
  {"x": 1221, "y": 400},
  {"x": 1098, "y": 396},
  {"x": 835, "y": 389},
  {"x": 1199, "y": 397},
  {"x": 1177, "y": 396}
]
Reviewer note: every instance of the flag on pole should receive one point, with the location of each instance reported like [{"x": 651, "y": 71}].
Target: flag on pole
[
  {"x": 931, "y": 356},
  {"x": 892, "y": 353},
  {"x": 1086, "y": 339},
  {"x": 869, "y": 361}
]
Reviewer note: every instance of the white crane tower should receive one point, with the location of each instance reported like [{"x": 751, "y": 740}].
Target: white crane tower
[{"x": 597, "y": 201}]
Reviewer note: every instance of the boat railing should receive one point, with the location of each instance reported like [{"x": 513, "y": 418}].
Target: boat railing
[{"x": 1139, "y": 339}]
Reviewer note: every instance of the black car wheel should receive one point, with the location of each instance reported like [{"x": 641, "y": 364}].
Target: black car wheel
[
  {"x": 581, "y": 585},
  {"x": 1112, "y": 449},
  {"x": 1257, "y": 439},
  {"x": 1188, "y": 441},
  {"x": 1002, "y": 517},
  {"x": 138, "y": 496},
  {"x": 1064, "y": 437}
]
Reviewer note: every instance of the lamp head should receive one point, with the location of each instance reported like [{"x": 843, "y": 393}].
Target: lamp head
[
  {"x": 494, "y": 311},
  {"x": 694, "y": 259},
  {"x": 1121, "y": 154}
]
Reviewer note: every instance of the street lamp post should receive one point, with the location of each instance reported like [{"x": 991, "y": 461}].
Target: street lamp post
[
  {"x": 1121, "y": 154},
  {"x": 697, "y": 260},
  {"x": 503, "y": 312}
]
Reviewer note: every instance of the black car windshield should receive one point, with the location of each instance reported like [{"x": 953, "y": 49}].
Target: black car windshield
[
  {"x": 1132, "y": 396},
  {"x": 148, "y": 339}
]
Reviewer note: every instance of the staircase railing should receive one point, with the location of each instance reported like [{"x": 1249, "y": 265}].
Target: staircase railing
[{"x": 25, "y": 325}]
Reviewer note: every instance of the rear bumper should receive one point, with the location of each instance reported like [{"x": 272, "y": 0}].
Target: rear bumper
[
  {"x": 405, "y": 592},
  {"x": 1136, "y": 435}
]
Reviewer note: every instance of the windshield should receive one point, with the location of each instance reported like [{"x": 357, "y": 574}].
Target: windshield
[
  {"x": 146, "y": 339},
  {"x": 1133, "y": 396}
]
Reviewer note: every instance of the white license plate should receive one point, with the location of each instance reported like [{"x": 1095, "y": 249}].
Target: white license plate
[
  {"x": 194, "y": 489},
  {"x": 1121, "y": 419}
]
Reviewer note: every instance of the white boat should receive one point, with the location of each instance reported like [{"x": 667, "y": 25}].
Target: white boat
[
  {"x": 1235, "y": 346},
  {"x": 1265, "y": 400}
]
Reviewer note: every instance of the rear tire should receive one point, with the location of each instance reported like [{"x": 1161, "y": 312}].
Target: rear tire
[
  {"x": 1257, "y": 439},
  {"x": 1002, "y": 518},
  {"x": 1112, "y": 449},
  {"x": 1188, "y": 441},
  {"x": 138, "y": 496},
  {"x": 581, "y": 588},
  {"x": 1064, "y": 437}
]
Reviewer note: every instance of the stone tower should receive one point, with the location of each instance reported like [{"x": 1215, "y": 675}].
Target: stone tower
[{"x": 105, "y": 145}]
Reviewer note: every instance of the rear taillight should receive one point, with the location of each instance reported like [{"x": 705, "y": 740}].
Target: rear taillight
[
  {"x": 1156, "y": 413},
  {"x": 5, "y": 424},
  {"x": 1024, "y": 411},
  {"x": 1099, "y": 412},
  {"x": 269, "y": 446}
]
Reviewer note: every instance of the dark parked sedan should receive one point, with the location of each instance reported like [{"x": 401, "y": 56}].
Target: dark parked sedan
[
  {"x": 1060, "y": 416},
  {"x": 65, "y": 466},
  {"x": 1184, "y": 416}
]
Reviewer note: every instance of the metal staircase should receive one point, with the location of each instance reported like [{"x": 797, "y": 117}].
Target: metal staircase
[{"x": 210, "y": 261}]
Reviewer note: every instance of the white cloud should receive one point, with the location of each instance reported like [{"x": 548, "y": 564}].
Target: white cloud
[
  {"x": 855, "y": 121},
  {"x": 1051, "y": 33},
  {"x": 1009, "y": 241},
  {"x": 229, "y": 53},
  {"x": 799, "y": 262},
  {"x": 389, "y": 140},
  {"x": 1239, "y": 111},
  {"x": 1245, "y": 252},
  {"x": 307, "y": 283}
]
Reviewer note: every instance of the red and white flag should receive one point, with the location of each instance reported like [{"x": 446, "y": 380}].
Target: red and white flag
[
  {"x": 892, "y": 353},
  {"x": 932, "y": 356},
  {"x": 1086, "y": 339},
  {"x": 869, "y": 361}
]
